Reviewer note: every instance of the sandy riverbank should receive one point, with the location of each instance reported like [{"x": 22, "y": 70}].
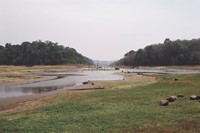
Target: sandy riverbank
[{"x": 20, "y": 81}]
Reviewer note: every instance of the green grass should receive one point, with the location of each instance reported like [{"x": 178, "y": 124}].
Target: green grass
[
  {"x": 132, "y": 109},
  {"x": 4, "y": 69}
]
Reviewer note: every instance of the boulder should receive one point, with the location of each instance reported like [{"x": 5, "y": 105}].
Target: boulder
[
  {"x": 180, "y": 95},
  {"x": 198, "y": 97},
  {"x": 86, "y": 82},
  {"x": 164, "y": 102},
  {"x": 117, "y": 68},
  {"x": 171, "y": 98},
  {"x": 176, "y": 79},
  {"x": 193, "y": 97}
]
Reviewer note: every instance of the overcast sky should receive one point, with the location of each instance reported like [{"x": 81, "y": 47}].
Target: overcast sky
[{"x": 99, "y": 29}]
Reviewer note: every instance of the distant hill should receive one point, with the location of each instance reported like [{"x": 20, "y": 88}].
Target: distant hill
[
  {"x": 179, "y": 52},
  {"x": 40, "y": 53},
  {"x": 103, "y": 63}
]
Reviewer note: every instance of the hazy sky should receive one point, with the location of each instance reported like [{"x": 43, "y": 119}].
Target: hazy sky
[{"x": 99, "y": 29}]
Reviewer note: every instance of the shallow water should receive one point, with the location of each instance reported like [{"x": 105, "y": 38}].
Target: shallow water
[
  {"x": 170, "y": 71},
  {"x": 68, "y": 80}
]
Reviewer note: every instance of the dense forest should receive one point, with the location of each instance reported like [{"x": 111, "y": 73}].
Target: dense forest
[
  {"x": 40, "y": 53},
  {"x": 179, "y": 52}
]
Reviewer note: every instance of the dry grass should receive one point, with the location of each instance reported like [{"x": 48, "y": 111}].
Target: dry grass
[{"x": 17, "y": 74}]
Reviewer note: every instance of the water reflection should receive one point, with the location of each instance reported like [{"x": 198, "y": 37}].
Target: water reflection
[
  {"x": 64, "y": 80},
  {"x": 69, "y": 79},
  {"x": 38, "y": 90}
]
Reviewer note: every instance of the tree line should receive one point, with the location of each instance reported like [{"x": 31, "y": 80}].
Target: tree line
[
  {"x": 178, "y": 52},
  {"x": 40, "y": 53}
]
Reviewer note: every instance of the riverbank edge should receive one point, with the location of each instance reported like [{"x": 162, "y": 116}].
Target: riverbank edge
[{"x": 10, "y": 103}]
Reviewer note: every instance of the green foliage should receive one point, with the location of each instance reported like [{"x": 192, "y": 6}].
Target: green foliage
[
  {"x": 169, "y": 53},
  {"x": 128, "y": 59},
  {"x": 40, "y": 53}
]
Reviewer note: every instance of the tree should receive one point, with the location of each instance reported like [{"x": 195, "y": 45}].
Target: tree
[
  {"x": 40, "y": 53},
  {"x": 179, "y": 52}
]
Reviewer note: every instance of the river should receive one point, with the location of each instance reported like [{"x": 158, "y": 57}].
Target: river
[{"x": 67, "y": 81}]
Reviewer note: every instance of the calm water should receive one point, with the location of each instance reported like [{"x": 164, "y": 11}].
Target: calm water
[
  {"x": 170, "y": 71},
  {"x": 68, "y": 80}
]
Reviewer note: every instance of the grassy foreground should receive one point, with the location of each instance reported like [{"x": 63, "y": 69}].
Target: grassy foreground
[{"x": 125, "y": 109}]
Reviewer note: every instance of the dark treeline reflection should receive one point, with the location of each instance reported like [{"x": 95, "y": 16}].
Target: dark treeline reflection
[{"x": 40, "y": 53}]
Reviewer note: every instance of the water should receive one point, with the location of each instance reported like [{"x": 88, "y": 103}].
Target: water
[
  {"x": 170, "y": 71},
  {"x": 67, "y": 81}
]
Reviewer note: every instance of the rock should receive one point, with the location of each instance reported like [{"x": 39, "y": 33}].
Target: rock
[
  {"x": 193, "y": 97},
  {"x": 171, "y": 98},
  {"x": 117, "y": 68},
  {"x": 86, "y": 82},
  {"x": 197, "y": 97},
  {"x": 175, "y": 79},
  {"x": 164, "y": 102},
  {"x": 174, "y": 97},
  {"x": 180, "y": 95}
]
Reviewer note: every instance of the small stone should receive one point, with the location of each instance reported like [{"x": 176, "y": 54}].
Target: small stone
[
  {"x": 174, "y": 97},
  {"x": 193, "y": 97},
  {"x": 175, "y": 79},
  {"x": 164, "y": 102},
  {"x": 180, "y": 95},
  {"x": 86, "y": 82},
  {"x": 197, "y": 97},
  {"x": 171, "y": 98}
]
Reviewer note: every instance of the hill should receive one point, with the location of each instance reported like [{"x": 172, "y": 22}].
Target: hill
[
  {"x": 179, "y": 52},
  {"x": 40, "y": 53}
]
